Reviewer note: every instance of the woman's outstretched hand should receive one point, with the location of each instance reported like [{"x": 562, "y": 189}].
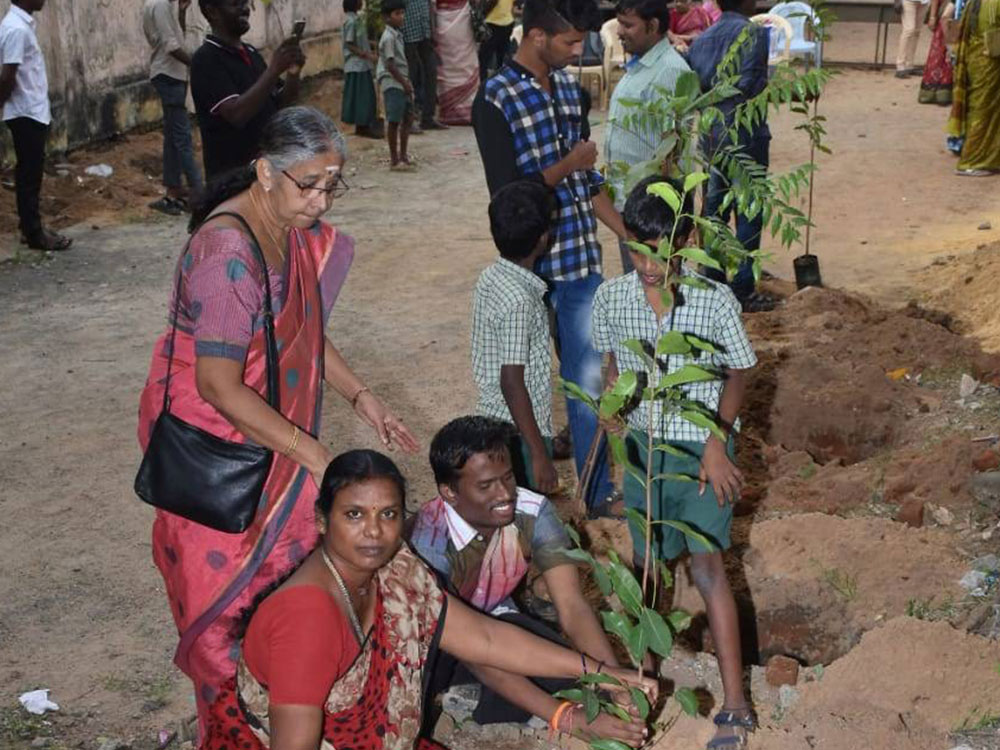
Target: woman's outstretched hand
[
  {"x": 606, "y": 726},
  {"x": 390, "y": 429}
]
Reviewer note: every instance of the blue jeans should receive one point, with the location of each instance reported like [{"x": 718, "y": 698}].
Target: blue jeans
[
  {"x": 748, "y": 231},
  {"x": 178, "y": 148},
  {"x": 573, "y": 302}
]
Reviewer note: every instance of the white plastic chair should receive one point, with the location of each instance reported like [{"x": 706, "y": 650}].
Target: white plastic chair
[
  {"x": 780, "y": 41},
  {"x": 614, "y": 55},
  {"x": 797, "y": 13}
]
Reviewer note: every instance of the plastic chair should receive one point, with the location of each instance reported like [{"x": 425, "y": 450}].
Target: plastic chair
[
  {"x": 614, "y": 55},
  {"x": 780, "y": 42},
  {"x": 517, "y": 35},
  {"x": 797, "y": 13}
]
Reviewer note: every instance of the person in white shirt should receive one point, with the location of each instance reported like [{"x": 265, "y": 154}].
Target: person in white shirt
[
  {"x": 163, "y": 23},
  {"x": 24, "y": 96},
  {"x": 912, "y": 16}
]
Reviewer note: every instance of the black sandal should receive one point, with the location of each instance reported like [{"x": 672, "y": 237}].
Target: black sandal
[{"x": 742, "y": 721}]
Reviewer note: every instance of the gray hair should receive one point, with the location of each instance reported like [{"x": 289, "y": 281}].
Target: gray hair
[{"x": 297, "y": 134}]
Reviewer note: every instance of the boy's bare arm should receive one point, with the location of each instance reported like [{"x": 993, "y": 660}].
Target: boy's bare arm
[
  {"x": 716, "y": 468},
  {"x": 390, "y": 65},
  {"x": 515, "y": 393}
]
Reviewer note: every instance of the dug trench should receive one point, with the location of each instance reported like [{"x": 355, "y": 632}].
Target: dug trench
[{"x": 869, "y": 493}]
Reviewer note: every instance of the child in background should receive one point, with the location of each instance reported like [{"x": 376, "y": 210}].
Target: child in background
[
  {"x": 631, "y": 307},
  {"x": 394, "y": 79},
  {"x": 511, "y": 358},
  {"x": 359, "y": 107}
]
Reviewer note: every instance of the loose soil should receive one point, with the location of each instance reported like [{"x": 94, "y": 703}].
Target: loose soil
[{"x": 854, "y": 415}]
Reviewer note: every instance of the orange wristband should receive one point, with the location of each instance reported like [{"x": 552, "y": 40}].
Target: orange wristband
[{"x": 554, "y": 721}]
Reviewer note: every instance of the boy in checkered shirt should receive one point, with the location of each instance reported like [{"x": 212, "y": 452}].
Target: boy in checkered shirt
[
  {"x": 631, "y": 307},
  {"x": 511, "y": 358}
]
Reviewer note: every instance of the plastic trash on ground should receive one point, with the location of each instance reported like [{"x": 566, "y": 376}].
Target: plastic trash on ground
[
  {"x": 37, "y": 702},
  {"x": 100, "y": 170}
]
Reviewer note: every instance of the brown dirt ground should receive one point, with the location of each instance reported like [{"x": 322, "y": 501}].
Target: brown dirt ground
[{"x": 833, "y": 445}]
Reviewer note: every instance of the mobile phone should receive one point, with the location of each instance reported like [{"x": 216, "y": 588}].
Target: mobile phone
[{"x": 299, "y": 28}]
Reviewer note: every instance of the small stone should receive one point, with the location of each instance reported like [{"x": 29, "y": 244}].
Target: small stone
[
  {"x": 41, "y": 742},
  {"x": 988, "y": 460},
  {"x": 787, "y": 697},
  {"x": 782, "y": 670},
  {"x": 113, "y": 743},
  {"x": 967, "y": 386},
  {"x": 943, "y": 516},
  {"x": 985, "y": 225},
  {"x": 911, "y": 512}
]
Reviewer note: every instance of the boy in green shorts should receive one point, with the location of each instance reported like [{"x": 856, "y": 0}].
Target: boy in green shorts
[
  {"x": 631, "y": 307},
  {"x": 511, "y": 354},
  {"x": 393, "y": 76}
]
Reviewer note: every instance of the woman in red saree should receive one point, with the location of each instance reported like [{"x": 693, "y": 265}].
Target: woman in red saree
[
  {"x": 218, "y": 376},
  {"x": 688, "y": 20},
  {"x": 335, "y": 656},
  {"x": 936, "y": 84}
]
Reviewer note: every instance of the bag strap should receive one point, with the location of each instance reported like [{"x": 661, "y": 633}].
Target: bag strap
[{"x": 271, "y": 347}]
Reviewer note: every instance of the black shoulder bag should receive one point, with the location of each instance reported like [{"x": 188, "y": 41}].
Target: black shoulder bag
[{"x": 194, "y": 474}]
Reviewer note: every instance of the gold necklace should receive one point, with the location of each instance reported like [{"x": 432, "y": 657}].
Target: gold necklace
[{"x": 352, "y": 615}]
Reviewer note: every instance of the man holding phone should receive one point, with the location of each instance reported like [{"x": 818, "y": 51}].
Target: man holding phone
[{"x": 235, "y": 92}]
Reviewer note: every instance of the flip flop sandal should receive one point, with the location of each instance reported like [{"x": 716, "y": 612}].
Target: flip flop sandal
[
  {"x": 167, "y": 206},
  {"x": 741, "y": 722},
  {"x": 613, "y": 506}
]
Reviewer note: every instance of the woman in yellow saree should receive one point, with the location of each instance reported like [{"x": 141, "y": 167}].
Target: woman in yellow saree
[{"x": 975, "y": 112}]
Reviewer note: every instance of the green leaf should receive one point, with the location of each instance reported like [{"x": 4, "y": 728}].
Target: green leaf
[
  {"x": 574, "y": 695},
  {"x": 693, "y": 180},
  {"x": 666, "y": 192},
  {"x": 617, "y": 624},
  {"x": 666, "y": 147},
  {"x": 637, "y": 644},
  {"x": 573, "y": 534},
  {"x": 599, "y": 678},
  {"x": 615, "y": 710},
  {"x": 671, "y": 450},
  {"x": 669, "y": 476},
  {"x": 626, "y": 587},
  {"x": 602, "y": 578},
  {"x": 679, "y": 620},
  {"x": 639, "y": 349},
  {"x": 666, "y": 576},
  {"x": 575, "y": 391},
  {"x": 688, "y": 700},
  {"x": 606, "y": 744},
  {"x": 640, "y": 701},
  {"x": 672, "y": 342},
  {"x": 686, "y": 374},
  {"x": 611, "y": 403},
  {"x": 697, "y": 255},
  {"x": 687, "y": 85},
  {"x": 688, "y": 531},
  {"x": 658, "y": 634},
  {"x": 637, "y": 519},
  {"x": 698, "y": 343},
  {"x": 591, "y": 705},
  {"x": 580, "y": 555},
  {"x": 693, "y": 282},
  {"x": 626, "y": 383},
  {"x": 700, "y": 420}
]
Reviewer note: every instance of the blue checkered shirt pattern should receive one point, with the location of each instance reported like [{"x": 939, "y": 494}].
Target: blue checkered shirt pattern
[{"x": 544, "y": 130}]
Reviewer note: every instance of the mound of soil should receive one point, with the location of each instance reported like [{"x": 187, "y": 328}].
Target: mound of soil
[
  {"x": 968, "y": 290},
  {"x": 905, "y": 686},
  {"x": 822, "y": 385}
]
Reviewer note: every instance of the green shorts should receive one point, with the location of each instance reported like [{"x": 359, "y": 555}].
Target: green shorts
[
  {"x": 398, "y": 106},
  {"x": 675, "y": 500}
]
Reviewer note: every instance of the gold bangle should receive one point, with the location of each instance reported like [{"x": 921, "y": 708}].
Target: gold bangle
[
  {"x": 294, "y": 442},
  {"x": 356, "y": 396}
]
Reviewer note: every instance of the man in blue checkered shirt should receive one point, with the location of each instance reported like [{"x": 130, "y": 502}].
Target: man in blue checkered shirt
[{"x": 527, "y": 120}]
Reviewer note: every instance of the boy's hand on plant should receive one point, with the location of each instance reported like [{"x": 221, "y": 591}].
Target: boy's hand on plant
[
  {"x": 720, "y": 472},
  {"x": 546, "y": 476},
  {"x": 390, "y": 429},
  {"x": 606, "y": 726}
]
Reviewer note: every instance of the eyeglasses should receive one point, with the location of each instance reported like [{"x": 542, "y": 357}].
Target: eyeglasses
[{"x": 337, "y": 189}]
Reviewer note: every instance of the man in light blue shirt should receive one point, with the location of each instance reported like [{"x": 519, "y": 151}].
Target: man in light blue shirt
[{"x": 642, "y": 28}]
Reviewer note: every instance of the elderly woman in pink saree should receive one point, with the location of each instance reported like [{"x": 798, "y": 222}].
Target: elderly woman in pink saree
[
  {"x": 688, "y": 20},
  {"x": 269, "y": 209},
  {"x": 458, "y": 73}
]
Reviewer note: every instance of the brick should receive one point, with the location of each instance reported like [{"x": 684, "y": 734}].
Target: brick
[{"x": 781, "y": 670}]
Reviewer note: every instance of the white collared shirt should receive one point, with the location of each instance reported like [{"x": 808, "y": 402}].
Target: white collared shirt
[{"x": 19, "y": 46}]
